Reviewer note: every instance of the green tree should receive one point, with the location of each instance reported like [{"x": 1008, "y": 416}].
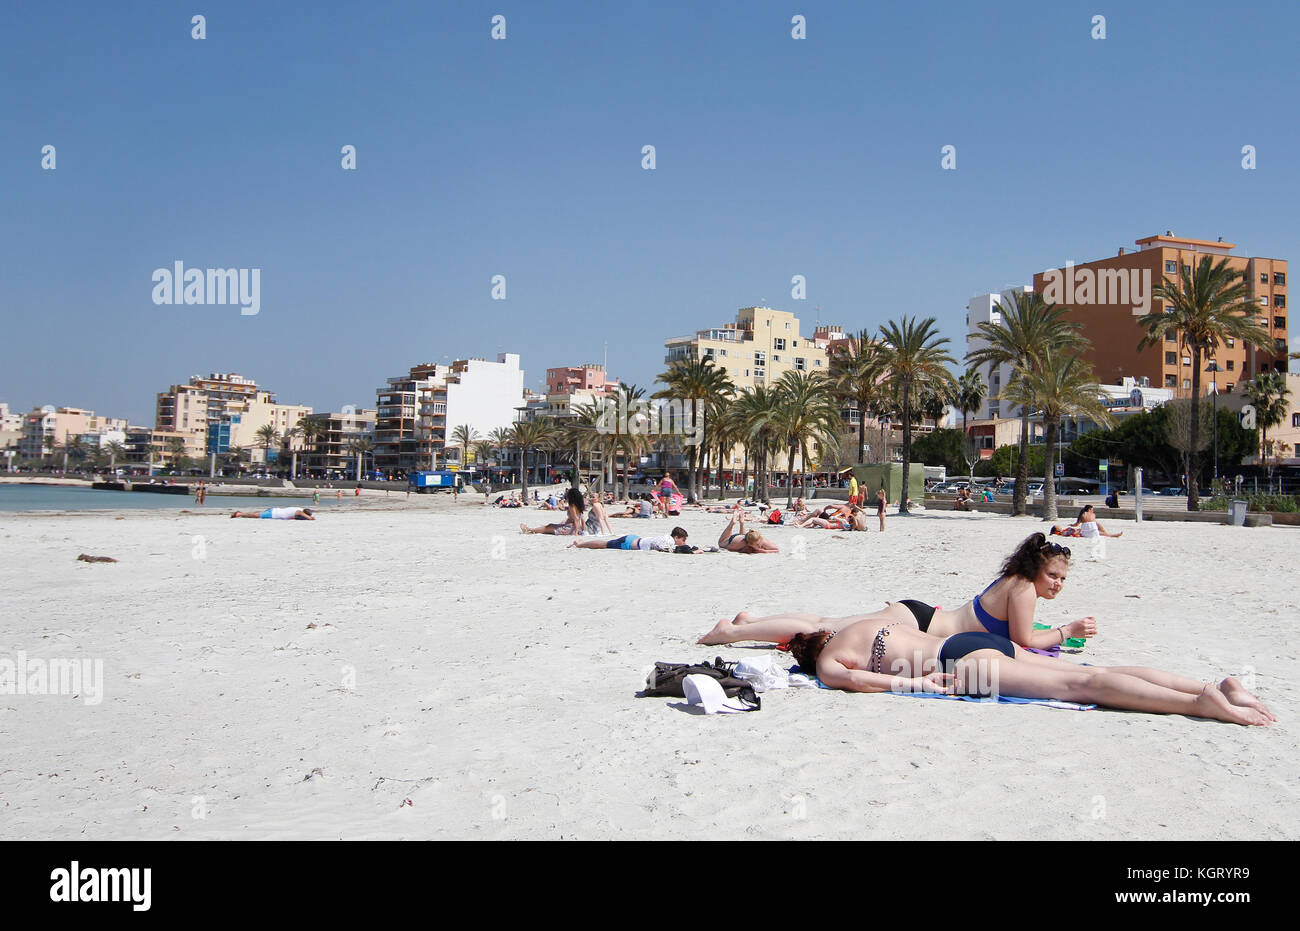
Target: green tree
[
  {"x": 1267, "y": 393},
  {"x": 268, "y": 436},
  {"x": 969, "y": 395},
  {"x": 856, "y": 378},
  {"x": 757, "y": 419},
  {"x": 806, "y": 413},
  {"x": 691, "y": 380},
  {"x": 1061, "y": 385},
  {"x": 1028, "y": 326},
  {"x": 1208, "y": 305},
  {"x": 941, "y": 447},
  {"x": 463, "y": 436},
  {"x": 912, "y": 353}
]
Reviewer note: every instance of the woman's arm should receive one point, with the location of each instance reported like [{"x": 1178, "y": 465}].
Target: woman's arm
[
  {"x": 1021, "y": 605},
  {"x": 838, "y": 676}
]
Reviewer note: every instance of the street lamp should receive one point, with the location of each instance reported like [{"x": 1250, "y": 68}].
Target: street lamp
[{"x": 1213, "y": 369}]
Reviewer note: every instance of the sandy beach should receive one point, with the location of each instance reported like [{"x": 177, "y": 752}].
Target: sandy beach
[{"x": 430, "y": 672}]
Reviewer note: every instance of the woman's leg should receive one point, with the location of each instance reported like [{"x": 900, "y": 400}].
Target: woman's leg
[
  {"x": 545, "y": 528},
  {"x": 780, "y": 628},
  {"x": 1112, "y": 689}
]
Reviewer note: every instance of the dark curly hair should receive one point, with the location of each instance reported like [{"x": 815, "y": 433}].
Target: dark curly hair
[
  {"x": 1031, "y": 555},
  {"x": 574, "y": 497},
  {"x": 806, "y": 648}
]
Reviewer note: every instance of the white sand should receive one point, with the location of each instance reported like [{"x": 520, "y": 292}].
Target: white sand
[{"x": 495, "y": 678}]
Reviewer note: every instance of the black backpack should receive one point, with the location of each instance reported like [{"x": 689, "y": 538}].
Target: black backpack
[{"x": 666, "y": 680}]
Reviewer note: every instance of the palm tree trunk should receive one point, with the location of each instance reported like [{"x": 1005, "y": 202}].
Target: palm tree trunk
[
  {"x": 1020, "y": 495},
  {"x": 789, "y": 479},
  {"x": 523, "y": 474},
  {"x": 1193, "y": 454},
  {"x": 907, "y": 447},
  {"x": 862, "y": 433},
  {"x": 1049, "y": 481}
]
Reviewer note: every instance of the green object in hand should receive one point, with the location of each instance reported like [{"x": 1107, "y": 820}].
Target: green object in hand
[{"x": 1074, "y": 643}]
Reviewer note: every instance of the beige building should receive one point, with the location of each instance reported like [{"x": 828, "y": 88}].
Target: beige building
[
  {"x": 761, "y": 346},
  {"x": 225, "y": 409},
  {"x": 1282, "y": 439},
  {"x": 329, "y": 452}
]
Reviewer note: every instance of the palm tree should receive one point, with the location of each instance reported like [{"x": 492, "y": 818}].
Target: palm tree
[
  {"x": 526, "y": 435},
  {"x": 970, "y": 394},
  {"x": 176, "y": 451},
  {"x": 500, "y": 439},
  {"x": 688, "y": 381},
  {"x": 856, "y": 377},
  {"x": 1267, "y": 392},
  {"x": 1028, "y": 327},
  {"x": 311, "y": 432},
  {"x": 632, "y": 445},
  {"x": 115, "y": 451},
  {"x": 360, "y": 447},
  {"x": 463, "y": 436},
  {"x": 1060, "y": 386},
  {"x": 1206, "y": 306},
  {"x": 757, "y": 412},
  {"x": 482, "y": 450},
  {"x": 290, "y": 439},
  {"x": 807, "y": 413},
  {"x": 268, "y": 436},
  {"x": 913, "y": 354}
]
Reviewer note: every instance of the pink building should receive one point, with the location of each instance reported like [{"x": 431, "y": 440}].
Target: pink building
[{"x": 590, "y": 379}]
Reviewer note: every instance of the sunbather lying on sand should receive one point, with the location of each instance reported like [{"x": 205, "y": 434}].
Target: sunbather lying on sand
[
  {"x": 1037, "y": 569},
  {"x": 877, "y": 655},
  {"x": 742, "y": 541}
]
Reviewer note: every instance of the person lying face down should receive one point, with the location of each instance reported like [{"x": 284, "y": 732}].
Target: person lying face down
[
  {"x": 877, "y": 655},
  {"x": 674, "y": 542},
  {"x": 1036, "y": 570}
]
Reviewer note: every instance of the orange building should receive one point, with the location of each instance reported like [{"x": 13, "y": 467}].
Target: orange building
[{"x": 1108, "y": 297}]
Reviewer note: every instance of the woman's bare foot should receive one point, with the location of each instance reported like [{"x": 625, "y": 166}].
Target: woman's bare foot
[
  {"x": 524, "y": 528},
  {"x": 723, "y": 631},
  {"x": 1212, "y": 703},
  {"x": 1236, "y": 693}
]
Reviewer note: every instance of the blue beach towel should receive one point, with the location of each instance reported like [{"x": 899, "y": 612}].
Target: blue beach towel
[{"x": 1001, "y": 699}]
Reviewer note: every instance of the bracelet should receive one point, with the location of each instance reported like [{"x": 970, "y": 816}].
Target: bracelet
[{"x": 1063, "y": 637}]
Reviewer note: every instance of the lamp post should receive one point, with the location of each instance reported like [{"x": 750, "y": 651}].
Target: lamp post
[{"x": 1214, "y": 369}]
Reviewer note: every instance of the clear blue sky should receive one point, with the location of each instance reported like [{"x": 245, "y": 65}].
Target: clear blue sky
[{"x": 522, "y": 158}]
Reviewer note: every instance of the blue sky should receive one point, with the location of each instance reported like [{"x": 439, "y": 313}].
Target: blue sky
[{"x": 522, "y": 158}]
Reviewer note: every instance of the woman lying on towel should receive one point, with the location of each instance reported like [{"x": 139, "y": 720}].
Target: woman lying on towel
[
  {"x": 879, "y": 655},
  {"x": 1086, "y": 525},
  {"x": 1037, "y": 569}
]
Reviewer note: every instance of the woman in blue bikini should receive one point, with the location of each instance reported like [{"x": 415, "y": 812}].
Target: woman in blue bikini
[
  {"x": 879, "y": 655},
  {"x": 1037, "y": 569}
]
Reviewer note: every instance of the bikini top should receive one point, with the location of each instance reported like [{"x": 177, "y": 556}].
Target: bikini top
[{"x": 992, "y": 624}]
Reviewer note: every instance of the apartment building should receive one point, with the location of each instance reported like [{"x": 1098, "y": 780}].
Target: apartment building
[
  {"x": 218, "y": 413},
  {"x": 757, "y": 349},
  {"x": 330, "y": 451},
  {"x": 577, "y": 385},
  {"x": 1108, "y": 296}
]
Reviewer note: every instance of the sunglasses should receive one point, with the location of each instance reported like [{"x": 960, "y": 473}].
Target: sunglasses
[{"x": 1056, "y": 549}]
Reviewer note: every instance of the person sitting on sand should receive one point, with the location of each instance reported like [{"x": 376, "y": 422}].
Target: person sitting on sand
[
  {"x": 278, "y": 514},
  {"x": 1086, "y": 525},
  {"x": 674, "y": 542},
  {"x": 1037, "y": 569},
  {"x": 597, "y": 522},
  {"x": 571, "y": 526},
  {"x": 877, "y": 655},
  {"x": 741, "y": 541}
]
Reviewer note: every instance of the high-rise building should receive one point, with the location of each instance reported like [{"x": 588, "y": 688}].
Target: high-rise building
[
  {"x": 1109, "y": 295},
  {"x": 761, "y": 346},
  {"x": 221, "y": 411},
  {"x": 987, "y": 308},
  {"x": 418, "y": 413},
  {"x": 331, "y": 450}
]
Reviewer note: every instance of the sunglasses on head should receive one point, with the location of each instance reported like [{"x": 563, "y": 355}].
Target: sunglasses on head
[{"x": 1055, "y": 549}]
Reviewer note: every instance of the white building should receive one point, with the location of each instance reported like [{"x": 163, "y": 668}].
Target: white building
[
  {"x": 483, "y": 395},
  {"x": 985, "y": 308}
]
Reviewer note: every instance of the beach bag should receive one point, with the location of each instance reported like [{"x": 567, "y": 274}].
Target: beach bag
[
  {"x": 774, "y": 517},
  {"x": 665, "y": 680}
]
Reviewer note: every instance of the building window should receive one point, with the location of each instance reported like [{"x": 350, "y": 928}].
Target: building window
[
  {"x": 1170, "y": 336},
  {"x": 708, "y": 354},
  {"x": 722, "y": 352},
  {"x": 1263, "y": 277},
  {"x": 817, "y": 361},
  {"x": 1263, "y": 299},
  {"x": 1279, "y": 279},
  {"x": 1231, "y": 342},
  {"x": 1171, "y": 381},
  {"x": 1187, "y": 383},
  {"x": 1231, "y": 364},
  {"x": 1171, "y": 268},
  {"x": 760, "y": 357},
  {"x": 799, "y": 365},
  {"x": 1228, "y": 386},
  {"x": 1280, "y": 345},
  {"x": 1171, "y": 358},
  {"x": 794, "y": 344},
  {"x": 1295, "y": 420},
  {"x": 760, "y": 373},
  {"x": 776, "y": 358},
  {"x": 787, "y": 326},
  {"x": 1279, "y": 323},
  {"x": 778, "y": 343},
  {"x": 1279, "y": 300},
  {"x": 1187, "y": 360},
  {"x": 746, "y": 373}
]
